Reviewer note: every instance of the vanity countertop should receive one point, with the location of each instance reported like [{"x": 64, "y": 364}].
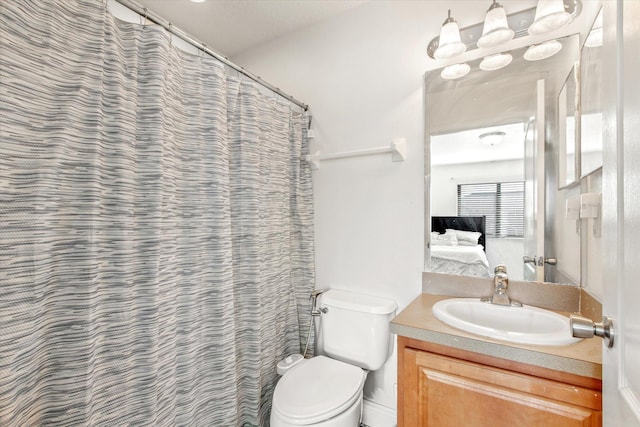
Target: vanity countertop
[{"x": 417, "y": 321}]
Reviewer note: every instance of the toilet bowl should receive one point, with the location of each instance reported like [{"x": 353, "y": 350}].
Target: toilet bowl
[
  {"x": 319, "y": 392},
  {"x": 327, "y": 391}
]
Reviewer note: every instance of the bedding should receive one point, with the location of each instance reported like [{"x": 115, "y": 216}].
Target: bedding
[
  {"x": 465, "y": 238},
  {"x": 444, "y": 239},
  {"x": 462, "y": 260},
  {"x": 464, "y": 227}
]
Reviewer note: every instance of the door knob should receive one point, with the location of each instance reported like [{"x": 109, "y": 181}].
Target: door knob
[
  {"x": 538, "y": 260},
  {"x": 581, "y": 327}
]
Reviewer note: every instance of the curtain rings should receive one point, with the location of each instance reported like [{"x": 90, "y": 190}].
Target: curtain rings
[{"x": 170, "y": 34}]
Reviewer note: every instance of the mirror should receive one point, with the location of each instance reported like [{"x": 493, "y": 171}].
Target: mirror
[
  {"x": 482, "y": 133},
  {"x": 590, "y": 100},
  {"x": 568, "y": 131}
]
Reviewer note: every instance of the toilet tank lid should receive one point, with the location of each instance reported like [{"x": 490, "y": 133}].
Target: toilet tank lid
[{"x": 358, "y": 302}]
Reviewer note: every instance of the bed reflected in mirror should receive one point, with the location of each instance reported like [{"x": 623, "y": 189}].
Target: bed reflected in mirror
[
  {"x": 458, "y": 245},
  {"x": 480, "y": 192}
]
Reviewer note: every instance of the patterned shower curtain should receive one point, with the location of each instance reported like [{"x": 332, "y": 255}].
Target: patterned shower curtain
[{"x": 156, "y": 230}]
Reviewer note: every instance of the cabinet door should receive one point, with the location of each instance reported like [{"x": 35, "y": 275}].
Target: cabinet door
[{"x": 452, "y": 392}]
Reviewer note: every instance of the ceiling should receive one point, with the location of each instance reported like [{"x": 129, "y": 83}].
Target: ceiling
[
  {"x": 465, "y": 146},
  {"x": 232, "y": 26}
]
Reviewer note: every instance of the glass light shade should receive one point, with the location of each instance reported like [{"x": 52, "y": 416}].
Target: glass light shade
[
  {"x": 550, "y": 15},
  {"x": 544, "y": 50},
  {"x": 496, "y": 29},
  {"x": 495, "y": 62},
  {"x": 449, "y": 43},
  {"x": 595, "y": 38},
  {"x": 492, "y": 138},
  {"x": 455, "y": 71}
]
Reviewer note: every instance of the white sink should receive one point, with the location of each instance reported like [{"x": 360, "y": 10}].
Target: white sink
[{"x": 523, "y": 325}]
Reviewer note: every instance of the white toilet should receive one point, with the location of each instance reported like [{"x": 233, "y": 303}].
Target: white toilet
[{"x": 327, "y": 391}]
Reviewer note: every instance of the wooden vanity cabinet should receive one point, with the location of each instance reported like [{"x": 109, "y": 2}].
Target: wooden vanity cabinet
[{"x": 443, "y": 386}]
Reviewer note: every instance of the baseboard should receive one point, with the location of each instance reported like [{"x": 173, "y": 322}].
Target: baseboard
[{"x": 376, "y": 415}]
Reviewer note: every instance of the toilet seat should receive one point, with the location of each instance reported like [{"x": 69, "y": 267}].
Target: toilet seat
[{"x": 317, "y": 390}]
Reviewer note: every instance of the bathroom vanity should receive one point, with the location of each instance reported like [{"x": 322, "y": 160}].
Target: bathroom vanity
[{"x": 448, "y": 377}]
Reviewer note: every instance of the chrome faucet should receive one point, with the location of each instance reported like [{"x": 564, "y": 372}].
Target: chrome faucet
[{"x": 500, "y": 286}]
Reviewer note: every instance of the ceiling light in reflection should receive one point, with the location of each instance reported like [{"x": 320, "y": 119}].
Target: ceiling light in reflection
[
  {"x": 544, "y": 50},
  {"x": 455, "y": 71},
  {"x": 495, "y": 62},
  {"x": 595, "y": 37},
  {"x": 492, "y": 138}
]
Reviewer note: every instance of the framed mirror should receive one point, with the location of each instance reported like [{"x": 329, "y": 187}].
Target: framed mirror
[
  {"x": 569, "y": 131},
  {"x": 591, "y": 100},
  {"x": 481, "y": 166}
]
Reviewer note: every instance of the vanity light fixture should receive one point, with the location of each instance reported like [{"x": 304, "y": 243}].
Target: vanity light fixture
[
  {"x": 499, "y": 28},
  {"x": 492, "y": 138},
  {"x": 496, "y": 29},
  {"x": 541, "y": 51},
  {"x": 455, "y": 71},
  {"x": 449, "y": 45},
  {"x": 550, "y": 16},
  {"x": 518, "y": 22},
  {"x": 495, "y": 62}
]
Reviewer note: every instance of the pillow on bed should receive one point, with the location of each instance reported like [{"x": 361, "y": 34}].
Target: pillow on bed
[
  {"x": 465, "y": 238},
  {"x": 443, "y": 239}
]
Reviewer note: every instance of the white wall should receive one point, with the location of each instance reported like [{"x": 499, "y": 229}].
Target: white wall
[{"x": 578, "y": 247}]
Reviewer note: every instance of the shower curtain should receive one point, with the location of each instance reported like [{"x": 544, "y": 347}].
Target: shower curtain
[{"x": 156, "y": 230}]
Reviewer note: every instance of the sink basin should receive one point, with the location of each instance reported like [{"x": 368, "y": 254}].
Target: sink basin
[{"x": 523, "y": 325}]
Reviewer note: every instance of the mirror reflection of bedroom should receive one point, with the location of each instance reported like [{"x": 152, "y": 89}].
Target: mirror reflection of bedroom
[
  {"x": 479, "y": 177},
  {"x": 491, "y": 145}
]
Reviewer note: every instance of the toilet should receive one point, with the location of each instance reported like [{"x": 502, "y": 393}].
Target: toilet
[{"x": 326, "y": 391}]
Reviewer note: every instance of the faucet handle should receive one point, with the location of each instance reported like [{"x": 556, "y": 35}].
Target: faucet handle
[{"x": 500, "y": 268}]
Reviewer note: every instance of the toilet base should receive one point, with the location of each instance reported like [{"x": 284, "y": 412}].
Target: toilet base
[{"x": 349, "y": 418}]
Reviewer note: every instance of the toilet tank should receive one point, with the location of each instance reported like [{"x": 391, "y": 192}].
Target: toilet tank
[{"x": 355, "y": 328}]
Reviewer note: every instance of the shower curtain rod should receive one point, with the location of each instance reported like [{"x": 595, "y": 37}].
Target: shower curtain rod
[{"x": 157, "y": 19}]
